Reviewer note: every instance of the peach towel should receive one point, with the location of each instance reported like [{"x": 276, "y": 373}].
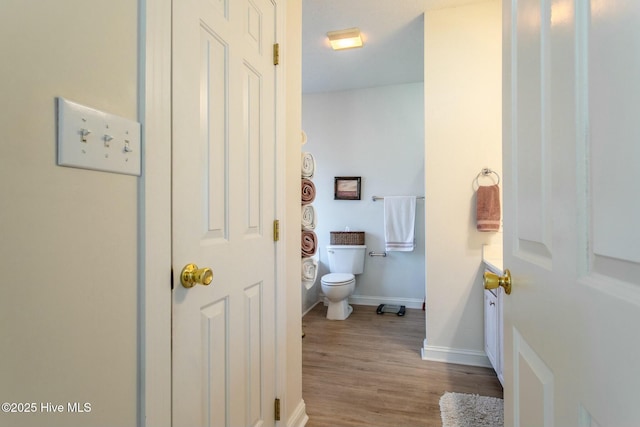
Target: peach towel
[
  {"x": 308, "y": 191},
  {"x": 488, "y": 208},
  {"x": 309, "y": 243}
]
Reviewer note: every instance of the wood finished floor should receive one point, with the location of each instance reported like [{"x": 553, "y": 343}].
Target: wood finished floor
[{"x": 367, "y": 371}]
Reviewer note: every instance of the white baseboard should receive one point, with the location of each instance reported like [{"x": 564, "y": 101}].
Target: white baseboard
[
  {"x": 455, "y": 355},
  {"x": 311, "y": 308},
  {"x": 299, "y": 416},
  {"x": 372, "y": 300}
]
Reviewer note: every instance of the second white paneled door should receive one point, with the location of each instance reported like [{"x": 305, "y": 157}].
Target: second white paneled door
[{"x": 223, "y": 210}]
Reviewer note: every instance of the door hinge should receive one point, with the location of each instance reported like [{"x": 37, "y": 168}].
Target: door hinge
[
  {"x": 171, "y": 278},
  {"x": 276, "y": 54},
  {"x": 276, "y": 409},
  {"x": 276, "y": 230}
]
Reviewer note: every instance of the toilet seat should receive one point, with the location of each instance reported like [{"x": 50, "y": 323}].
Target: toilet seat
[{"x": 337, "y": 279}]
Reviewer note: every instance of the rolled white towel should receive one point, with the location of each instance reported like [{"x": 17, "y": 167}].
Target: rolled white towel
[
  {"x": 309, "y": 272},
  {"x": 308, "y": 165},
  {"x": 308, "y": 217}
]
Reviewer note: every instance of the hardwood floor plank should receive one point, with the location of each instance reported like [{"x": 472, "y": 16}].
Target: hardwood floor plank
[{"x": 367, "y": 371}]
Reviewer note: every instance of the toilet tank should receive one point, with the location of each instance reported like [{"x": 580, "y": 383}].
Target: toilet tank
[{"x": 346, "y": 258}]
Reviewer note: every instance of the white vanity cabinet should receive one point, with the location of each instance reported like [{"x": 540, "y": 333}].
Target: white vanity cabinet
[
  {"x": 493, "y": 324},
  {"x": 493, "y": 329}
]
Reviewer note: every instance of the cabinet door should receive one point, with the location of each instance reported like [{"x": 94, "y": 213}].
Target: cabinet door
[
  {"x": 500, "y": 335},
  {"x": 491, "y": 328}
]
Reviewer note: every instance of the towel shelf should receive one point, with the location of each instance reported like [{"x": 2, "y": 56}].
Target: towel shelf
[{"x": 374, "y": 198}]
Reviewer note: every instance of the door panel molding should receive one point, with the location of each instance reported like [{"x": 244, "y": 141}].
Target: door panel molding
[
  {"x": 534, "y": 384},
  {"x": 253, "y": 128},
  {"x": 532, "y": 178},
  {"x": 214, "y": 131},
  {"x": 254, "y": 353},
  {"x": 220, "y": 7},
  {"x": 585, "y": 419},
  {"x": 254, "y": 26},
  {"x": 214, "y": 322},
  {"x": 608, "y": 250},
  {"x": 614, "y": 152}
]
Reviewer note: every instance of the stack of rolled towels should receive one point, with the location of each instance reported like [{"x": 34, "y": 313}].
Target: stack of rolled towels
[{"x": 309, "y": 244}]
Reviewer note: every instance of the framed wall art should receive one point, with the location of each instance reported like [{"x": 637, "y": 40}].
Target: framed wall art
[{"x": 347, "y": 188}]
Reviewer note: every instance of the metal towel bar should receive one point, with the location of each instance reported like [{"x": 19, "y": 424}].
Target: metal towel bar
[
  {"x": 374, "y": 198},
  {"x": 382, "y": 254}
]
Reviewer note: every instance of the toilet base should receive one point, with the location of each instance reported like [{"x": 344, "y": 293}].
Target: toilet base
[{"x": 339, "y": 310}]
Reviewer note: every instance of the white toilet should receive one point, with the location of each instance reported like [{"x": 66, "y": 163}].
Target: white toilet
[{"x": 344, "y": 262}]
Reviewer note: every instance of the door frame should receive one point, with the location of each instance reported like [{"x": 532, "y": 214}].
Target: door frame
[{"x": 154, "y": 215}]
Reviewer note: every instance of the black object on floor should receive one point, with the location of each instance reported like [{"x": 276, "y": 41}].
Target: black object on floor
[{"x": 389, "y": 308}]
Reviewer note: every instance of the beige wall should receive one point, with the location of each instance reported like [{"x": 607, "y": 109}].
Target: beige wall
[
  {"x": 463, "y": 135},
  {"x": 68, "y": 257}
]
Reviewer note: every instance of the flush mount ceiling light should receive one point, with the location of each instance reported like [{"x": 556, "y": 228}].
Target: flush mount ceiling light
[{"x": 345, "y": 39}]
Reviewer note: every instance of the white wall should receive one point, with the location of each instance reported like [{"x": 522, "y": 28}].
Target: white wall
[
  {"x": 463, "y": 135},
  {"x": 377, "y": 134},
  {"x": 68, "y": 257}
]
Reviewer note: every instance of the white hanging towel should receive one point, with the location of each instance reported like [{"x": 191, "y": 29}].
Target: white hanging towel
[{"x": 399, "y": 223}]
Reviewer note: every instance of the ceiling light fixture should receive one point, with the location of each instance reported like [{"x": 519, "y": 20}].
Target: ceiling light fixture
[{"x": 345, "y": 39}]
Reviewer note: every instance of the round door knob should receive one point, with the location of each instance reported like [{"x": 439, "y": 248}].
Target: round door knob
[
  {"x": 493, "y": 281},
  {"x": 192, "y": 275}
]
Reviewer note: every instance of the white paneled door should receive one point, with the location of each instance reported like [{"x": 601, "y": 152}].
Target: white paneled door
[
  {"x": 572, "y": 210},
  {"x": 223, "y": 210}
]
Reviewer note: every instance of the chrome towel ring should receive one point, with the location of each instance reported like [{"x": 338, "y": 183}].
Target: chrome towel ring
[{"x": 486, "y": 172}]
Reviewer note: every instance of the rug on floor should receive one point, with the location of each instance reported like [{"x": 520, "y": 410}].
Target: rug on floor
[{"x": 471, "y": 410}]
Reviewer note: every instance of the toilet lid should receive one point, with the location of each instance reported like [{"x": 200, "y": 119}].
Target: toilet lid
[{"x": 335, "y": 279}]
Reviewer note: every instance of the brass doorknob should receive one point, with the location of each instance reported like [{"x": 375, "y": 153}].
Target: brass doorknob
[
  {"x": 192, "y": 275},
  {"x": 493, "y": 281}
]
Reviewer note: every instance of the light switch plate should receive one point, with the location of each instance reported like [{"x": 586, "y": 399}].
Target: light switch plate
[{"x": 92, "y": 139}]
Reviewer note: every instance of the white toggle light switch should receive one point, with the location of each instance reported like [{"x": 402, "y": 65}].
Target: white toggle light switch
[{"x": 92, "y": 139}]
